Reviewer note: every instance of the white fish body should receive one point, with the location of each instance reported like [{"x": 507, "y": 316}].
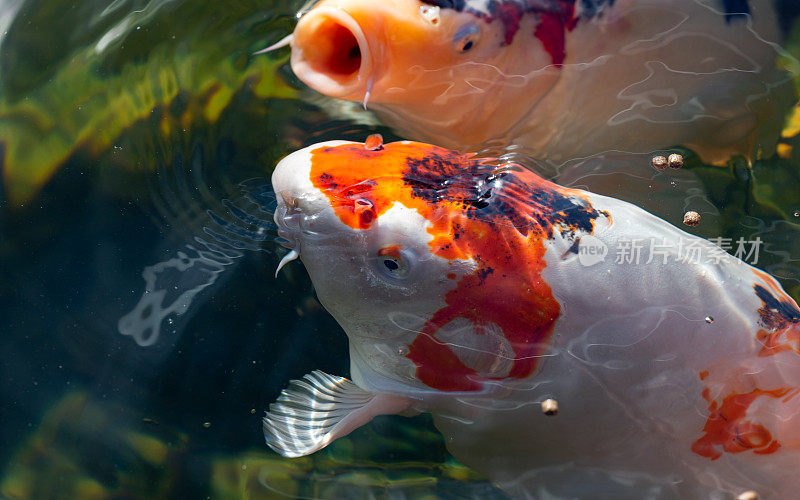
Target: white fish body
[{"x": 476, "y": 293}]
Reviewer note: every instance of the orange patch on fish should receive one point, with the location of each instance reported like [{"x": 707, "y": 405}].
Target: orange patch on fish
[
  {"x": 496, "y": 216},
  {"x": 391, "y": 251},
  {"x": 785, "y": 339},
  {"x": 727, "y": 430}
]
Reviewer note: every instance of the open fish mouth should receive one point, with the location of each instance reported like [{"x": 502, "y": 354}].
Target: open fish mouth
[{"x": 331, "y": 53}]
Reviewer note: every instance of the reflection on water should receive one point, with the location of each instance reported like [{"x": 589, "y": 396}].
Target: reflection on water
[
  {"x": 123, "y": 64},
  {"x": 171, "y": 285},
  {"x": 137, "y": 138}
]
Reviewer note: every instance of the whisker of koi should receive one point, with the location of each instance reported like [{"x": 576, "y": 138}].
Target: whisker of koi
[
  {"x": 292, "y": 255},
  {"x": 370, "y": 82},
  {"x": 283, "y": 42}
]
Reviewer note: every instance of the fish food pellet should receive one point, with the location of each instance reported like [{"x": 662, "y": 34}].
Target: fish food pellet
[
  {"x": 748, "y": 495},
  {"x": 659, "y": 162},
  {"x": 675, "y": 161},
  {"x": 691, "y": 218},
  {"x": 550, "y": 407},
  {"x": 374, "y": 142}
]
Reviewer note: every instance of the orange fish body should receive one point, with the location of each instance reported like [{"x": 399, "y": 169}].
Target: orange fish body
[
  {"x": 562, "y": 78},
  {"x": 475, "y": 291}
]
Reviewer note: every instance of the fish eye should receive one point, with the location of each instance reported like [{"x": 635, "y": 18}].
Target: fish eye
[
  {"x": 466, "y": 37},
  {"x": 392, "y": 263}
]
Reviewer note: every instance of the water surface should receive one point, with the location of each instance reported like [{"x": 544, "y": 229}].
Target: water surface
[{"x": 144, "y": 331}]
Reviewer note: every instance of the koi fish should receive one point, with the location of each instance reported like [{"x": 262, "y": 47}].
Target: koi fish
[
  {"x": 561, "y": 78},
  {"x": 476, "y": 290}
]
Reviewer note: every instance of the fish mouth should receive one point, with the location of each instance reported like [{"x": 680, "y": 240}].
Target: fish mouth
[
  {"x": 295, "y": 215},
  {"x": 288, "y": 217},
  {"x": 331, "y": 54}
]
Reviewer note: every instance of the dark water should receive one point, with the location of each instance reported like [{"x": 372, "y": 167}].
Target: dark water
[{"x": 127, "y": 129}]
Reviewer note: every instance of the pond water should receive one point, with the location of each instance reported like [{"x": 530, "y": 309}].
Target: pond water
[{"x": 144, "y": 332}]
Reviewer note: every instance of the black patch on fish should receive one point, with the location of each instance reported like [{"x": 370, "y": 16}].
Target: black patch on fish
[
  {"x": 458, "y": 5},
  {"x": 328, "y": 180},
  {"x": 573, "y": 249},
  {"x": 736, "y": 9},
  {"x": 787, "y": 12},
  {"x": 592, "y": 8},
  {"x": 555, "y": 17},
  {"x": 509, "y": 197},
  {"x": 484, "y": 272},
  {"x": 775, "y": 313}
]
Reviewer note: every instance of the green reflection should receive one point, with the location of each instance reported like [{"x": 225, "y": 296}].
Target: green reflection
[{"x": 80, "y": 76}]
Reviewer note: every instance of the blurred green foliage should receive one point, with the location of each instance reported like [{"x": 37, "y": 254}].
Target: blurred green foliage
[{"x": 79, "y": 75}]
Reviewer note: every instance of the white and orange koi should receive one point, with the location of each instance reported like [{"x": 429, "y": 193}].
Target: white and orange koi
[
  {"x": 562, "y": 78},
  {"x": 475, "y": 290}
]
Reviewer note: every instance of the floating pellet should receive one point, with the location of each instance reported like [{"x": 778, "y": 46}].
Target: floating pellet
[
  {"x": 691, "y": 218},
  {"x": 374, "y": 142},
  {"x": 659, "y": 162},
  {"x": 675, "y": 161},
  {"x": 748, "y": 495},
  {"x": 550, "y": 407}
]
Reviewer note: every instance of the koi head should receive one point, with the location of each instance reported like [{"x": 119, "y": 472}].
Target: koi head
[
  {"x": 430, "y": 60},
  {"x": 431, "y": 260}
]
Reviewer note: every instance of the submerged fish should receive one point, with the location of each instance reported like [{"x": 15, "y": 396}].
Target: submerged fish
[
  {"x": 562, "y": 78},
  {"x": 476, "y": 291}
]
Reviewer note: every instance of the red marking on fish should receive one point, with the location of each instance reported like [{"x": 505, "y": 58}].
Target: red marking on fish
[
  {"x": 507, "y": 288},
  {"x": 552, "y": 31},
  {"x": 727, "y": 430},
  {"x": 555, "y": 19},
  {"x": 510, "y": 14},
  {"x": 391, "y": 251},
  {"x": 784, "y": 339}
]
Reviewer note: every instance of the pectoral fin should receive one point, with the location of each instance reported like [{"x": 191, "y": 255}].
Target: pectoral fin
[{"x": 311, "y": 413}]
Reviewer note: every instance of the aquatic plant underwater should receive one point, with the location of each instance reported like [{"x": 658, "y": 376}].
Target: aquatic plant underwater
[{"x": 146, "y": 332}]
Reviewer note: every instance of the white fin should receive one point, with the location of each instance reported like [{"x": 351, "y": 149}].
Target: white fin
[{"x": 313, "y": 412}]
